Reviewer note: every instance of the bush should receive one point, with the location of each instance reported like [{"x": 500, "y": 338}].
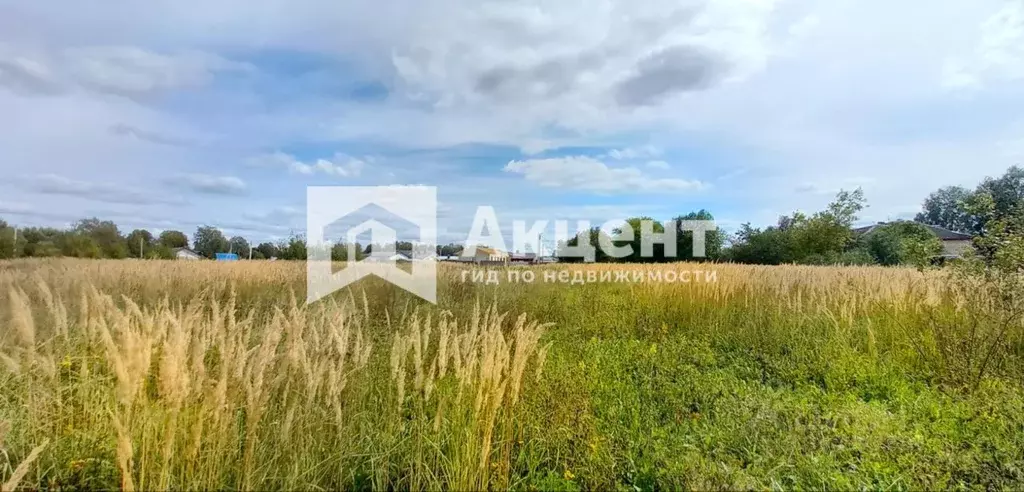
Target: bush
[
  {"x": 159, "y": 252},
  {"x": 7, "y": 246},
  {"x": 80, "y": 246},
  {"x": 903, "y": 243}
]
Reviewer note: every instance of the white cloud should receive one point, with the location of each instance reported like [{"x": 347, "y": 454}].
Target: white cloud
[
  {"x": 998, "y": 53},
  {"x": 25, "y": 75},
  {"x": 631, "y": 153},
  {"x": 133, "y": 132},
  {"x": 132, "y": 71},
  {"x": 833, "y": 186},
  {"x": 123, "y": 70},
  {"x": 805, "y": 27},
  {"x": 52, "y": 184},
  {"x": 658, "y": 165},
  {"x": 280, "y": 216},
  {"x": 341, "y": 165},
  {"x": 576, "y": 64},
  {"x": 587, "y": 173},
  {"x": 24, "y": 210},
  {"x": 212, "y": 185}
]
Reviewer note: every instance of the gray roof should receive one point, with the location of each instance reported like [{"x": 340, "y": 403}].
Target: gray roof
[
  {"x": 943, "y": 233},
  {"x": 387, "y": 254}
]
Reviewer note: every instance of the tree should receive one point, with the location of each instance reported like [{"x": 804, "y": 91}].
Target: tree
[
  {"x": 296, "y": 248},
  {"x": 907, "y": 243},
  {"x": 41, "y": 241},
  {"x": 950, "y": 207},
  {"x": 80, "y": 245},
  {"x": 106, "y": 235},
  {"x": 8, "y": 246},
  {"x": 771, "y": 246},
  {"x": 240, "y": 246},
  {"x": 657, "y": 252},
  {"x": 821, "y": 238},
  {"x": 267, "y": 251},
  {"x": 946, "y": 208},
  {"x": 208, "y": 241},
  {"x": 174, "y": 239},
  {"x": 1001, "y": 241},
  {"x": 828, "y": 232},
  {"x": 339, "y": 252},
  {"x": 844, "y": 209},
  {"x": 159, "y": 252},
  {"x": 140, "y": 241},
  {"x": 451, "y": 249},
  {"x": 593, "y": 237},
  {"x": 1007, "y": 193},
  {"x": 713, "y": 240}
]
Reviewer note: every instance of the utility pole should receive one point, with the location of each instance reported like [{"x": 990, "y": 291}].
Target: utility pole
[
  {"x": 142, "y": 244},
  {"x": 250, "y": 250}
]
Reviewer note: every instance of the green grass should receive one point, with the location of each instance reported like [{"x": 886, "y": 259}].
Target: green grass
[{"x": 775, "y": 377}]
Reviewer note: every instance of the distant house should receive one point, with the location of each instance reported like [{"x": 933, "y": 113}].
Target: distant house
[
  {"x": 485, "y": 255},
  {"x": 387, "y": 257},
  {"x": 185, "y": 254},
  {"x": 522, "y": 258},
  {"x": 953, "y": 243},
  {"x": 417, "y": 254}
]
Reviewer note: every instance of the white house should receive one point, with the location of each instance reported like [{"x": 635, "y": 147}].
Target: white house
[
  {"x": 485, "y": 255},
  {"x": 185, "y": 254},
  {"x": 386, "y": 257}
]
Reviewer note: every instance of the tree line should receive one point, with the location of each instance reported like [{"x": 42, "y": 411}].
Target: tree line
[
  {"x": 992, "y": 212},
  {"x": 993, "y": 209},
  {"x": 95, "y": 238},
  {"x": 826, "y": 237},
  {"x": 595, "y": 236}
]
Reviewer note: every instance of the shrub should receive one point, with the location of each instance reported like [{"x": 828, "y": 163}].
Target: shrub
[{"x": 902, "y": 243}]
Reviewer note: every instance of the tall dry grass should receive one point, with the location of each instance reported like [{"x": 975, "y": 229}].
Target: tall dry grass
[
  {"x": 464, "y": 382},
  {"x": 199, "y": 392},
  {"x": 172, "y": 375}
]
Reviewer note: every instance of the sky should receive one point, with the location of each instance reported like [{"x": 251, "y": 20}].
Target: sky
[{"x": 174, "y": 114}]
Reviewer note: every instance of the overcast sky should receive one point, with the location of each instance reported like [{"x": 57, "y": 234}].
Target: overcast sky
[{"x": 170, "y": 114}]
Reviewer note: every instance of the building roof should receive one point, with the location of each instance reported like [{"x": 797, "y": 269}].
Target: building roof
[
  {"x": 388, "y": 255},
  {"x": 943, "y": 233},
  {"x": 178, "y": 250},
  {"x": 487, "y": 251}
]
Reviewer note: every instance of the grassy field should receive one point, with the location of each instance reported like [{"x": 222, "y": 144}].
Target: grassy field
[{"x": 156, "y": 375}]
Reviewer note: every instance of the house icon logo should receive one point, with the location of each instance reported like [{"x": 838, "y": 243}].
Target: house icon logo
[{"x": 377, "y": 210}]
